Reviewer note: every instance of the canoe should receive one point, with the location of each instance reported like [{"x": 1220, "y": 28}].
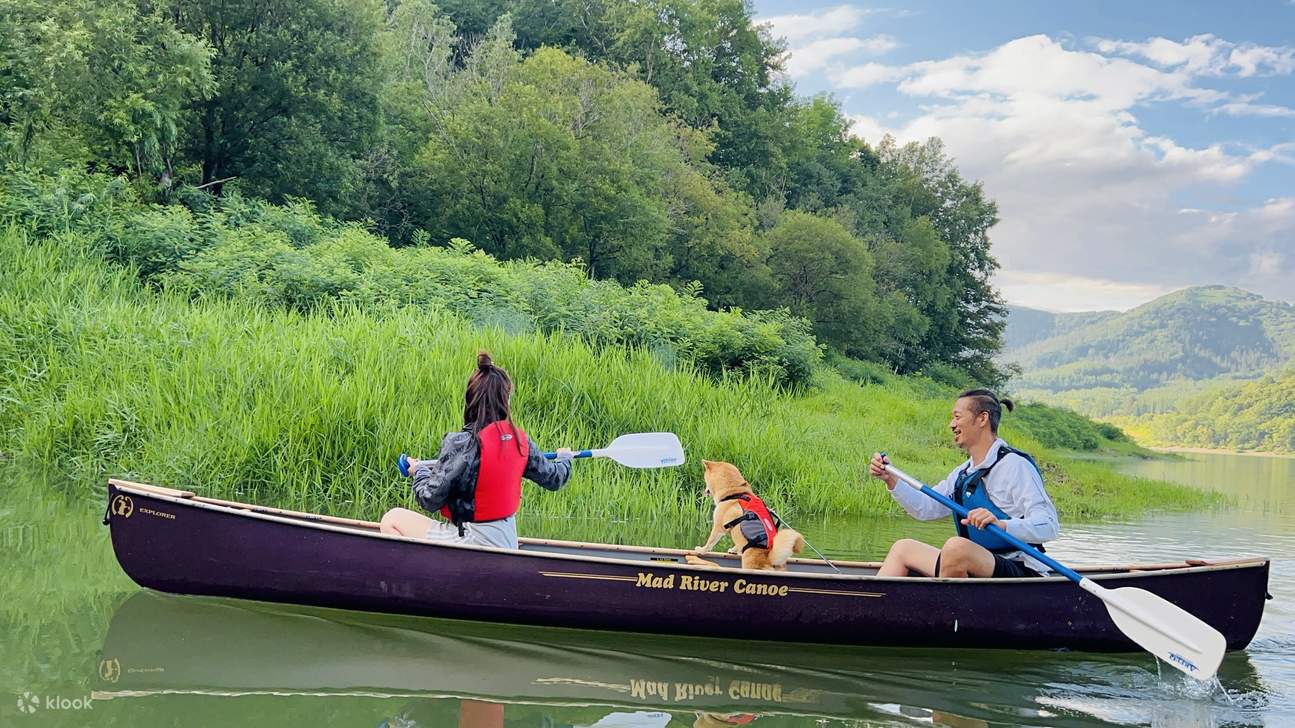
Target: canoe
[
  {"x": 175, "y": 541},
  {"x": 181, "y": 655}
]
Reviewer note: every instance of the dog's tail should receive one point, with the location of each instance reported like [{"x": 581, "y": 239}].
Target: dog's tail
[{"x": 785, "y": 543}]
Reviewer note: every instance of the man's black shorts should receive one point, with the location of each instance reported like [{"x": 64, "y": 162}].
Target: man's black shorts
[{"x": 1004, "y": 568}]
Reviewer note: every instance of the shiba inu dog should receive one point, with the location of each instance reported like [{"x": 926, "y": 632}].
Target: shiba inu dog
[{"x": 741, "y": 514}]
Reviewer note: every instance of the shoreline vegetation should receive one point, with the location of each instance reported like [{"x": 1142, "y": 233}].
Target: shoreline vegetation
[
  {"x": 265, "y": 280},
  {"x": 1173, "y": 450},
  {"x": 103, "y": 374}
]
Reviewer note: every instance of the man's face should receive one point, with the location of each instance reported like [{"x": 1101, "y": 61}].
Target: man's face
[{"x": 966, "y": 424}]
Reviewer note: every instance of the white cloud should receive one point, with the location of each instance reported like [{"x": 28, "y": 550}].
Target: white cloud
[
  {"x": 1038, "y": 66},
  {"x": 832, "y": 21},
  {"x": 818, "y": 54},
  {"x": 1081, "y": 186},
  {"x": 815, "y": 39},
  {"x": 1251, "y": 59},
  {"x": 879, "y": 45},
  {"x": 868, "y": 74},
  {"x": 1266, "y": 263},
  {"x": 1061, "y": 292},
  {"x": 1282, "y": 208},
  {"x": 1206, "y": 55},
  {"x": 1245, "y": 108}
]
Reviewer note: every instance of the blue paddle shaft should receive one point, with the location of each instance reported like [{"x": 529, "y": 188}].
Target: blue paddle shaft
[
  {"x": 954, "y": 506},
  {"x": 581, "y": 454}
]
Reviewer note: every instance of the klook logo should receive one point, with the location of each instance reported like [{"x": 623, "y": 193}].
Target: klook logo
[{"x": 28, "y": 703}]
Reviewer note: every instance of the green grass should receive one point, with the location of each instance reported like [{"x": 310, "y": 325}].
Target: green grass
[
  {"x": 288, "y": 256},
  {"x": 100, "y": 376}
]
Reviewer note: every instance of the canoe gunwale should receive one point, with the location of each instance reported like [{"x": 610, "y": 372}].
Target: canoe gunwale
[{"x": 368, "y": 529}]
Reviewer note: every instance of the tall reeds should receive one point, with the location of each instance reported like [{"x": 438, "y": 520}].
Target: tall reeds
[{"x": 100, "y": 376}]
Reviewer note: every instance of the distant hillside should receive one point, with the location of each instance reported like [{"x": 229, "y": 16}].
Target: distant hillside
[
  {"x": 1028, "y": 325},
  {"x": 1188, "y": 336},
  {"x": 1256, "y": 415}
]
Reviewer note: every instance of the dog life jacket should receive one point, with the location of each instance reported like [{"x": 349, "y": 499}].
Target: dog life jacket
[
  {"x": 758, "y": 526},
  {"x": 967, "y": 491},
  {"x": 497, "y": 492}
]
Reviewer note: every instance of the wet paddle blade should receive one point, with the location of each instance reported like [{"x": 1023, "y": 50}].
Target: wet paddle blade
[
  {"x": 645, "y": 450},
  {"x": 1164, "y": 629}
]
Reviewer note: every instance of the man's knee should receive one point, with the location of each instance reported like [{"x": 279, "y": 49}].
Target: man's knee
[
  {"x": 903, "y": 546},
  {"x": 958, "y": 545},
  {"x": 960, "y": 557}
]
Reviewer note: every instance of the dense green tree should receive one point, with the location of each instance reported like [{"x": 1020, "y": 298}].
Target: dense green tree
[
  {"x": 960, "y": 213},
  {"x": 296, "y": 98},
  {"x": 823, "y": 160},
  {"x": 102, "y": 84},
  {"x": 911, "y": 270},
  {"x": 416, "y": 48},
  {"x": 650, "y": 139},
  {"x": 825, "y": 274},
  {"x": 554, "y": 157},
  {"x": 715, "y": 69}
]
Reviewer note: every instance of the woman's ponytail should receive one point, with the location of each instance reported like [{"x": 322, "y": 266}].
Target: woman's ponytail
[{"x": 487, "y": 398}]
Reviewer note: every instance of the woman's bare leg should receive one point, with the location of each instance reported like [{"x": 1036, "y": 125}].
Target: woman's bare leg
[{"x": 404, "y": 522}]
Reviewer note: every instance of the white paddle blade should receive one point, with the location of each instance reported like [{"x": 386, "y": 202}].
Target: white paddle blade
[
  {"x": 1164, "y": 629},
  {"x": 645, "y": 450}
]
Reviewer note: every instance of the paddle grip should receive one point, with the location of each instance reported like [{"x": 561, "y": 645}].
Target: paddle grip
[
  {"x": 402, "y": 464},
  {"x": 954, "y": 506},
  {"x": 581, "y": 454}
]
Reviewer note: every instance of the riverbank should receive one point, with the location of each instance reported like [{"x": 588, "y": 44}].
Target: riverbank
[
  {"x": 103, "y": 376},
  {"x": 1221, "y": 451}
]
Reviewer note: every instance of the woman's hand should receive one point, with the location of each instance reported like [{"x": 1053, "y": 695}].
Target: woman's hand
[
  {"x": 980, "y": 518},
  {"x": 564, "y": 453},
  {"x": 878, "y": 470}
]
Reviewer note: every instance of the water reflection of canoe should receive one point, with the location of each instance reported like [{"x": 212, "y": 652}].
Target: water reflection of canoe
[
  {"x": 163, "y": 647},
  {"x": 158, "y": 643},
  {"x": 176, "y": 542}
]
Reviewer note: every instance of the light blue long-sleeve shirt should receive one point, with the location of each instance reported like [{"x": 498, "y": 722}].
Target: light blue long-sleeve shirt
[{"x": 1013, "y": 485}]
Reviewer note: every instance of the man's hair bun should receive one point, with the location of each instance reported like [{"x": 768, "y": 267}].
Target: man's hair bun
[{"x": 483, "y": 361}]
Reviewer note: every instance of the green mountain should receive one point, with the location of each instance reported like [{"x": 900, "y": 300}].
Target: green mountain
[
  {"x": 1189, "y": 336},
  {"x": 1257, "y": 415},
  {"x": 1028, "y": 325}
]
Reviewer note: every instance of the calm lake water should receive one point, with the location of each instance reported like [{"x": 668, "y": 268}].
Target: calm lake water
[{"x": 84, "y": 646}]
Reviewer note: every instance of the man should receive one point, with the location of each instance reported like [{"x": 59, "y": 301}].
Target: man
[{"x": 997, "y": 484}]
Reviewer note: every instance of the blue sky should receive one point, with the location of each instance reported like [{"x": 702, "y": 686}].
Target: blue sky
[{"x": 1133, "y": 148}]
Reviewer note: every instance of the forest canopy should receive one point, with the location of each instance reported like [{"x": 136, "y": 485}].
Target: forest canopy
[{"x": 652, "y": 141}]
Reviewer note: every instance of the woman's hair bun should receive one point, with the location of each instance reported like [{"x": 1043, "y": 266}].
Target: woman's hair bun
[
  {"x": 1007, "y": 404},
  {"x": 483, "y": 361}
]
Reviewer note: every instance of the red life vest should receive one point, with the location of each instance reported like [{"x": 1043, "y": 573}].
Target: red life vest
[
  {"x": 498, "y": 491},
  {"x": 758, "y": 525}
]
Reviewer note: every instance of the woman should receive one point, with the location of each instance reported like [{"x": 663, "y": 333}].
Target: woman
[{"x": 475, "y": 482}]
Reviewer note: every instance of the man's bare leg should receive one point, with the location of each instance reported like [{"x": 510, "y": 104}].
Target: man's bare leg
[
  {"x": 909, "y": 555},
  {"x": 963, "y": 557}
]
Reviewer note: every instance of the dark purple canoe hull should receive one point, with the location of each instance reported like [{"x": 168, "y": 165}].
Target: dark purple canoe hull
[{"x": 183, "y": 546}]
